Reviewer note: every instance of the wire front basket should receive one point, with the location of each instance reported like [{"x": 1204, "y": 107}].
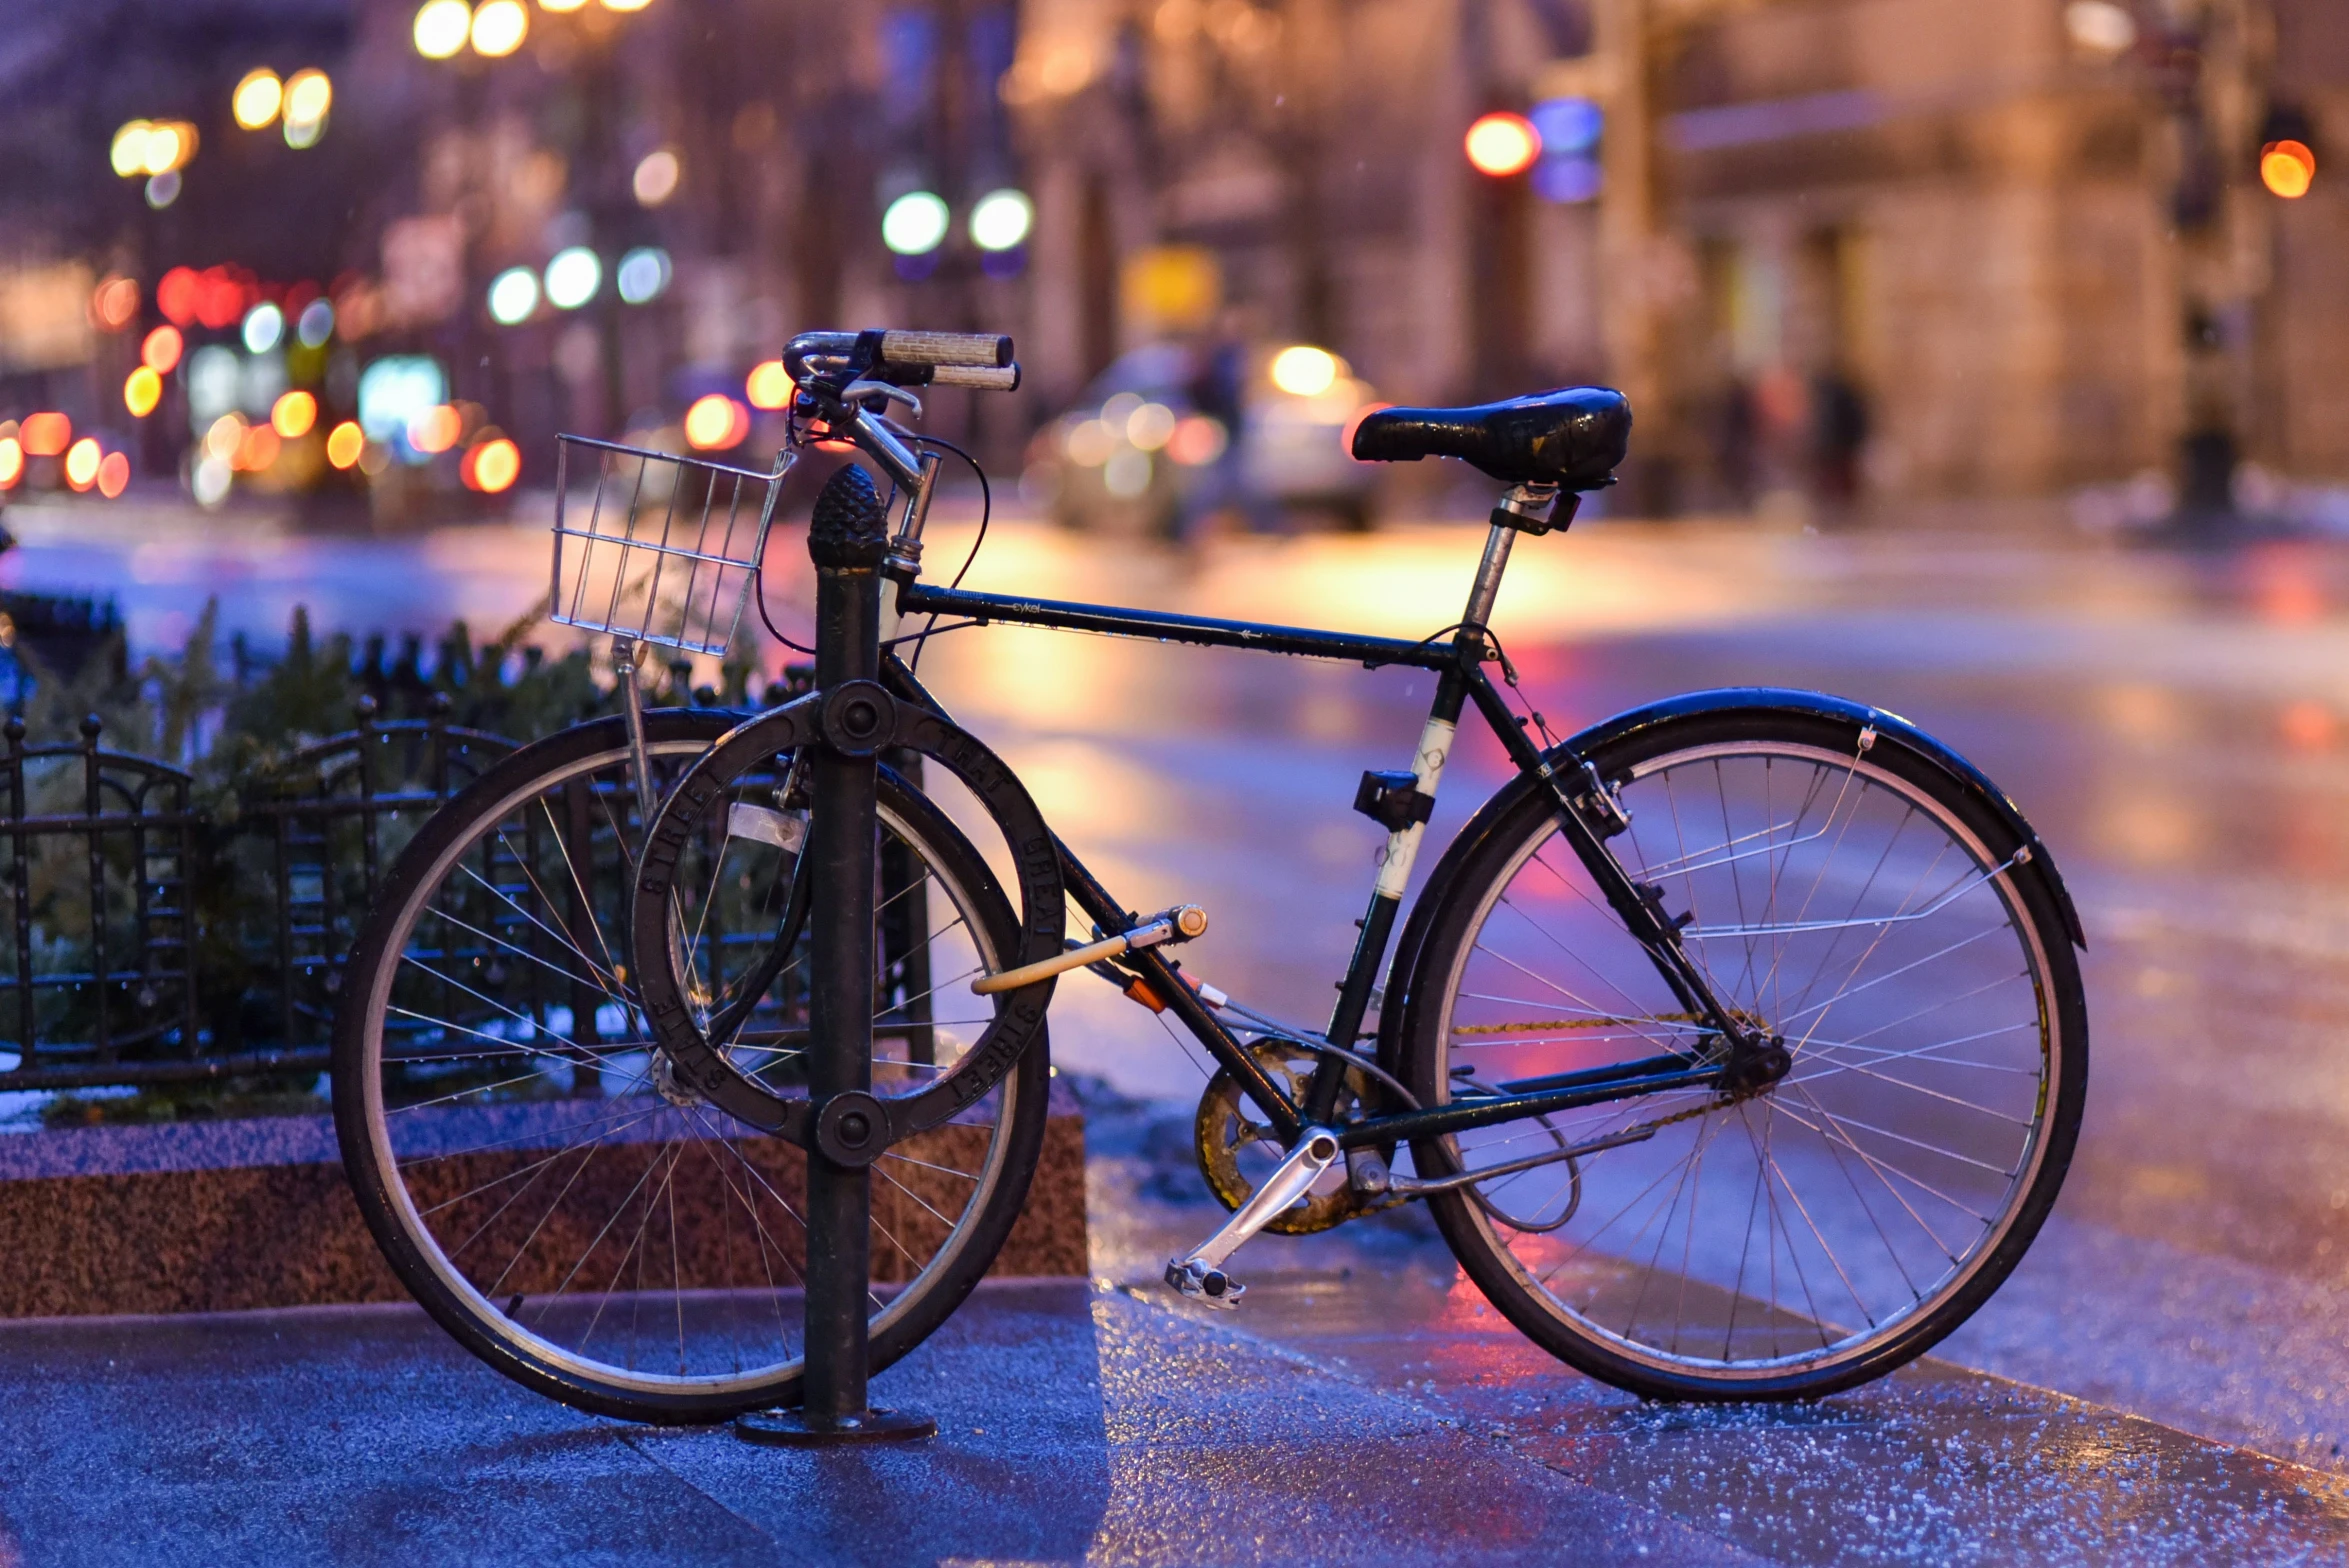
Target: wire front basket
[{"x": 668, "y": 548}]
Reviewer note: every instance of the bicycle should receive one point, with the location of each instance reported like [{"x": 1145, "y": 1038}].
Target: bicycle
[{"x": 1737, "y": 1044}]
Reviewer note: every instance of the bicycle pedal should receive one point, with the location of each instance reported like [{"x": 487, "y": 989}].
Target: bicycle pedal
[{"x": 1208, "y": 1286}]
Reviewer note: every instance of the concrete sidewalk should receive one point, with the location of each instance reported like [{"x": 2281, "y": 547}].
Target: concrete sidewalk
[{"x": 1362, "y": 1406}]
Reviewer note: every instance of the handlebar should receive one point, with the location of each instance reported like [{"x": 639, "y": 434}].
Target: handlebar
[{"x": 830, "y": 360}]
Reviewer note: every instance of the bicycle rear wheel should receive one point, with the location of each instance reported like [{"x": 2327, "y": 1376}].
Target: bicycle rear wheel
[
  {"x": 541, "y": 1182},
  {"x": 1842, "y": 891}
]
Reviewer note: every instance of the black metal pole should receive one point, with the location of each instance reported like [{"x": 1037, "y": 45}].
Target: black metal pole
[{"x": 846, "y": 539}]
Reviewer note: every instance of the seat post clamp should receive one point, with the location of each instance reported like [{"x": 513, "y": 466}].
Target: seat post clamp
[{"x": 1528, "y": 508}]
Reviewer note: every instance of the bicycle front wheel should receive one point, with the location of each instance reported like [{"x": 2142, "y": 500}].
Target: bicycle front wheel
[
  {"x": 542, "y": 1182},
  {"x": 1842, "y": 891}
]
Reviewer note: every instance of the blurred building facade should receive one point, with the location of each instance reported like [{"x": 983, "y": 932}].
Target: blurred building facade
[
  {"x": 1846, "y": 249},
  {"x": 1838, "y": 248}
]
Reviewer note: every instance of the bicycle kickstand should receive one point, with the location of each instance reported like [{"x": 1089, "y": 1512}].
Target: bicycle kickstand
[{"x": 1200, "y": 1274}]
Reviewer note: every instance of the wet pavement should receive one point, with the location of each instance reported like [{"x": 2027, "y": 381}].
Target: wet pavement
[{"x": 2165, "y": 1378}]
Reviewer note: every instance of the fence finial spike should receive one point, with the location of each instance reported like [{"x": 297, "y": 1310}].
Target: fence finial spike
[{"x": 91, "y": 725}]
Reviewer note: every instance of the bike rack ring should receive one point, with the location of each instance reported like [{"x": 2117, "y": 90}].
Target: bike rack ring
[{"x": 816, "y": 720}]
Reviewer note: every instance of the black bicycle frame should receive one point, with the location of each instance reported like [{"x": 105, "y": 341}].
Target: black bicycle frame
[{"x": 1458, "y": 663}]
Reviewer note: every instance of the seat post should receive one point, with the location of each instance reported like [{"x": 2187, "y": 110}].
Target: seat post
[{"x": 1521, "y": 509}]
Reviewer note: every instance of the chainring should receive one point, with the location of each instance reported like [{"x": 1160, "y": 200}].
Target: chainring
[{"x": 1226, "y": 1131}]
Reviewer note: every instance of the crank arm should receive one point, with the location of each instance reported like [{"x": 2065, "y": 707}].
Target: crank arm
[{"x": 1200, "y": 1272}]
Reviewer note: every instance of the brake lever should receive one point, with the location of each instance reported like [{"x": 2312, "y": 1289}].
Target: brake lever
[{"x": 860, "y": 389}]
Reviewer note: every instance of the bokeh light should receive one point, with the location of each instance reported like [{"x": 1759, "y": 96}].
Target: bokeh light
[
  {"x": 315, "y": 325},
  {"x": 499, "y": 28},
  {"x": 293, "y": 414},
  {"x": 308, "y": 95},
  {"x": 655, "y": 180},
  {"x": 1151, "y": 426},
  {"x": 716, "y": 422},
  {"x": 572, "y": 278},
  {"x": 2287, "y": 168},
  {"x": 1501, "y": 144},
  {"x": 161, "y": 350},
  {"x": 1197, "y": 440},
  {"x": 225, "y": 437},
  {"x": 1304, "y": 371},
  {"x": 11, "y": 462},
  {"x": 163, "y": 189},
  {"x": 113, "y": 474},
  {"x": 257, "y": 99},
  {"x": 436, "y": 429},
  {"x": 513, "y": 295},
  {"x": 114, "y": 303},
  {"x": 442, "y": 27},
  {"x": 344, "y": 443},
  {"x": 491, "y": 465},
  {"x": 264, "y": 326},
  {"x": 142, "y": 391},
  {"x": 1001, "y": 220},
  {"x": 915, "y": 223},
  {"x": 257, "y": 450},
  {"x": 769, "y": 385},
  {"x": 643, "y": 274},
  {"x": 45, "y": 434},
  {"x": 81, "y": 462},
  {"x": 152, "y": 147}
]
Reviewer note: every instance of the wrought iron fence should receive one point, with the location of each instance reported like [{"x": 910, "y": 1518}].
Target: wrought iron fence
[{"x": 151, "y": 942}]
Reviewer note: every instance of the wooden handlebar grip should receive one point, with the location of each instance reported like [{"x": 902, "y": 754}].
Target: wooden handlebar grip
[
  {"x": 978, "y": 349},
  {"x": 986, "y": 378}
]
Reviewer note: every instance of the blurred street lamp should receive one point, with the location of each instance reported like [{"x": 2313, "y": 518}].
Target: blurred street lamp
[
  {"x": 1001, "y": 220},
  {"x": 152, "y": 147},
  {"x": 915, "y": 224},
  {"x": 113, "y": 474},
  {"x": 499, "y": 28},
  {"x": 308, "y": 95},
  {"x": 257, "y": 100},
  {"x": 81, "y": 463},
  {"x": 442, "y": 27}
]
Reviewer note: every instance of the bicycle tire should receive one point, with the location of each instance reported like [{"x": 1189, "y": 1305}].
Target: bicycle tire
[
  {"x": 737, "y": 1363},
  {"x": 1931, "y": 1136}
]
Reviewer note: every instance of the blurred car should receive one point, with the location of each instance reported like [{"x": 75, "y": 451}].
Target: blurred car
[{"x": 1170, "y": 434}]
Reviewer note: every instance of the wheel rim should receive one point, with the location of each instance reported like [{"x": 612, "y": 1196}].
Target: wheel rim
[
  {"x": 576, "y": 1179},
  {"x": 1832, "y": 903}
]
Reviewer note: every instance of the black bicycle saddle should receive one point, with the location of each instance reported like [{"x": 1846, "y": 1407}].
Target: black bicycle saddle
[{"x": 1571, "y": 437}]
